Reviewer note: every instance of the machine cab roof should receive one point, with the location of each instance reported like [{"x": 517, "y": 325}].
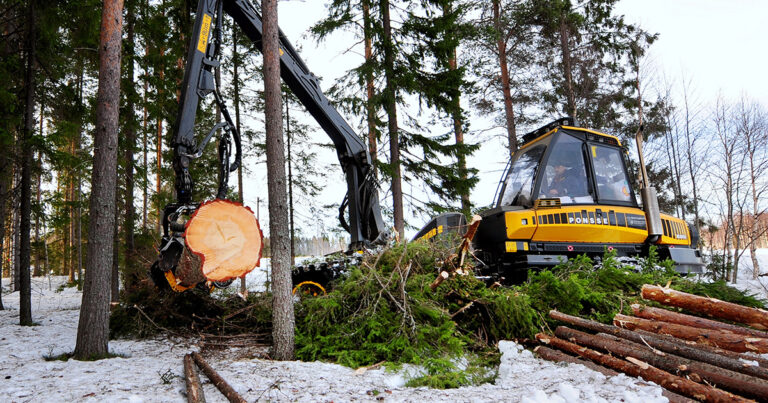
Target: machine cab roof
[{"x": 565, "y": 164}]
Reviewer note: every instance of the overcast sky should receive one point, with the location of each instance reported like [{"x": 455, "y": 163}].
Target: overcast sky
[{"x": 721, "y": 45}]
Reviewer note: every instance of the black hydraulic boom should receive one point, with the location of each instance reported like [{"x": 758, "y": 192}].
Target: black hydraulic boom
[{"x": 361, "y": 204}]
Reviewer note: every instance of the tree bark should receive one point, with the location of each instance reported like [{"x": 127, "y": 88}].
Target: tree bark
[
  {"x": 25, "y": 286},
  {"x": 370, "y": 107},
  {"x": 194, "y": 389},
  {"x": 754, "y": 317},
  {"x": 217, "y": 380},
  {"x": 558, "y": 356},
  {"x": 663, "y": 315},
  {"x": 700, "y": 372},
  {"x": 391, "y": 107},
  {"x": 93, "y": 327},
  {"x": 509, "y": 110},
  {"x": 719, "y": 338},
  {"x": 667, "y": 344},
  {"x": 236, "y": 100},
  {"x": 130, "y": 134},
  {"x": 567, "y": 68},
  {"x": 282, "y": 300},
  {"x": 647, "y": 372}
]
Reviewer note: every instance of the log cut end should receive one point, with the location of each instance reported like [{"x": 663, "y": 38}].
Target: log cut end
[{"x": 227, "y": 238}]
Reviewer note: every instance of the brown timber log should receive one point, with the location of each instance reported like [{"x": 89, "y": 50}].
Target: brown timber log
[
  {"x": 648, "y": 312},
  {"x": 757, "y": 318},
  {"x": 736, "y": 382},
  {"x": 194, "y": 389},
  {"x": 645, "y": 371},
  {"x": 227, "y": 238},
  {"x": 718, "y": 357},
  {"x": 762, "y": 362},
  {"x": 217, "y": 380},
  {"x": 559, "y": 356},
  {"x": 718, "y": 338}
]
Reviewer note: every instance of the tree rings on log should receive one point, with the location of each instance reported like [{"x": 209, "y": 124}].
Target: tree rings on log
[{"x": 226, "y": 237}]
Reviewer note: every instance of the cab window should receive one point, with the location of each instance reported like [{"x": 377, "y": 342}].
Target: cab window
[
  {"x": 610, "y": 177},
  {"x": 519, "y": 183},
  {"x": 565, "y": 176}
]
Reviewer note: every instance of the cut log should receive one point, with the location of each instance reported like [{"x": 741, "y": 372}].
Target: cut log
[
  {"x": 647, "y": 372},
  {"x": 756, "y": 318},
  {"x": 227, "y": 238},
  {"x": 718, "y": 357},
  {"x": 194, "y": 389},
  {"x": 558, "y": 356},
  {"x": 717, "y": 338},
  {"x": 217, "y": 380},
  {"x": 648, "y": 312},
  {"x": 736, "y": 382}
]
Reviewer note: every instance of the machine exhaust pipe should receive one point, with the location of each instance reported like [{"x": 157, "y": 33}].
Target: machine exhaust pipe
[
  {"x": 649, "y": 196},
  {"x": 652, "y": 214}
]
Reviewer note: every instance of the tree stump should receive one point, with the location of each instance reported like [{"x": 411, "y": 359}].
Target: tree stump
[{"x": 226, "y": 238}]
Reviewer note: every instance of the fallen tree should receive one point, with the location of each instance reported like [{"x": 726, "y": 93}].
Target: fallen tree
[
  {"x": 664, "y": 315},
  {"x": 754, "y": 317},
  {"x": 718, "y": 338},
  {"x": 737, "y": 382},
  {"x": 649, "y": 373},
  {"x": 667, "y": 344}
]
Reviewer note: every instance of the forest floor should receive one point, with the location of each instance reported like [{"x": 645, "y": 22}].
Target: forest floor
[{"x": 152, "y": 370}]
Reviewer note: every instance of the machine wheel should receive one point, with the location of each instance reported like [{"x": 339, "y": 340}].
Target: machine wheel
[{"x": 308, "y": 288}]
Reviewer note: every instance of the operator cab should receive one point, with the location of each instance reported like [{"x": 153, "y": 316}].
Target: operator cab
[{"x": 567, "y": 165}]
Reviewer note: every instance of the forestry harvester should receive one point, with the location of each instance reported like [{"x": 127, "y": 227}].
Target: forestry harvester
[{"x": 565, "y": 192}]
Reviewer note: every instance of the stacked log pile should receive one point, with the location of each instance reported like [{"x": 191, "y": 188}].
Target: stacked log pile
[{"x": 690, "y": 356}]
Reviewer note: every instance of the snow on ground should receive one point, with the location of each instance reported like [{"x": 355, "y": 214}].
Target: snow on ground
[
  {"x": 744, "y": 280},
  {"x": 152, "y": 370}
]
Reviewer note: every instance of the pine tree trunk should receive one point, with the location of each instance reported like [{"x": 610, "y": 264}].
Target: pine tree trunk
[
  {"x": 567, "y": 68},
  {"x": 5, "y": 177},
  {"x": 159, "y": 156},
  {"x": 291, "y": 222},
  {"x": 25, "y": 286},
  {"x": 391, "y": 106},
  {"x": 130, "y": 136},
  {"x": 114, "y": 285},
  {"x": 282, "y": 300},
  {"x": 458, "y": 130},
  {"x": 370, "y": 106},
  {"x": 236, "y": 87},
  {"x": 145, "y": 151},
  {"x": 509, "y": 110},
  {"x": 93, "y": 327},
  {"x": 38, "y": 185}
]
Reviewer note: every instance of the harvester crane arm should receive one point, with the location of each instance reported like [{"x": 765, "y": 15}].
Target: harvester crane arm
[{"x": 365, "y": 223}]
